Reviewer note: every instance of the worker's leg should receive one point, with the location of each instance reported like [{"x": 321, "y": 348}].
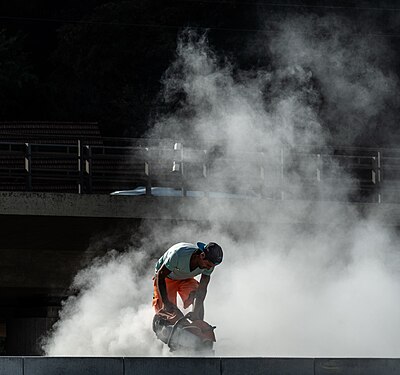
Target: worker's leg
[
  {"x": 170, "y": 316},
  {"x": 187, "y": 290},
  {"x": 172, "y": 289}
]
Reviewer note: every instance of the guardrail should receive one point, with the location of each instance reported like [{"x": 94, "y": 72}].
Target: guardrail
[{"x": 355, "y": 174}]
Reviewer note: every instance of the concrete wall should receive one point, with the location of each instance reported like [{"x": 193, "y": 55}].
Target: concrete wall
[
  {"x": 196, "y": 366},
  {"x": 161, "y": 208}
]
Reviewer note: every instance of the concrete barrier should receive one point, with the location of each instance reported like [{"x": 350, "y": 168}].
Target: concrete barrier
[
  {"x": 196, "y": 366},
  {"x": 357, "y": 366},
  {"x": 197, "y": 209},
  {"x": 73, "y": 366},
  {"x": 270, "y": 366},
  {"x": 172, "y": 366},
  {"x": 11, "y": 365}
]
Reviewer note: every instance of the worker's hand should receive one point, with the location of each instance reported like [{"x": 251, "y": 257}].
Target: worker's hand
[
  {"x": 193, "y": 316},
  {"x": 170, "y": 307},
  {"x": 170, "y": 312}
]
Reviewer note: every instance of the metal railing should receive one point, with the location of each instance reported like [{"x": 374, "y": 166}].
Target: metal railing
[{"x": 349, "y": 174}]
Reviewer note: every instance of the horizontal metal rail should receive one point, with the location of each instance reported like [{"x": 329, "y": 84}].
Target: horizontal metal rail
[{"x": 314, "y": 173}]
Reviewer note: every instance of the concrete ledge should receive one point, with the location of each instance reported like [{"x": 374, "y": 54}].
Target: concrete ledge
[
  {"x": 357, "y": 366},
  {"x": 270, "y": 366},
  {"x": 188, "y": 208},
  {"x": 172, "y": 366},
  {"x": 196, "y": 366},
  {"x": 11, "y": 365},
  {"x": 73, "y": 366}
]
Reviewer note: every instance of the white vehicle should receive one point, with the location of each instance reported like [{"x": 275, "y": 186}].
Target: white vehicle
[{"x": 171, "y": 192}]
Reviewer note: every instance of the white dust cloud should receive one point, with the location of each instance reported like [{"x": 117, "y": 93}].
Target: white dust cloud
[
  {"x": 353, "y": 68},
  {"x": 324, "y": 289},
  {"x": 318, "y": 295},
  {"x": 111, "y": 315}
]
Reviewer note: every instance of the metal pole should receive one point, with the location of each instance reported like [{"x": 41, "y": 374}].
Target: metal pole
[
  {"x": 28, "y": 166},
  {"x": 81, "y": 183},
  {"x": 378, "y": 176},
  {"x": 282, "y": 173},
  {"x": 178, "y": 166},
  {"x": 88, "y": 168},
  {"x": 261, "y": 160}
]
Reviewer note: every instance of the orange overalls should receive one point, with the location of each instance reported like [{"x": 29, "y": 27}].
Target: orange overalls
[{"x": 185, "y": 288}]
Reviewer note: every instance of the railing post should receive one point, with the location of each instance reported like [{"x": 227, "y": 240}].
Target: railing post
[
  {"x": 261, "y": 161},
  {"x": 84, "y": 168},
  {"x": 88, "y": 168},
  {"x": 206, "y": 169},
  {"x": 378, "y": 176},
  {"x": 148, "y": 178},
  {"x": 282, "y": 173},
  {"x": 319, "y": 168},
  {"x": 28, "y": 166},
  {"x": 178, "y": 166},
  {"x": 319, "y": 177},
  {"x": 81, "y": 183}
]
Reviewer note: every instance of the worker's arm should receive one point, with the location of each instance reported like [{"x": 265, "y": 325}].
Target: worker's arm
[
  {"x": 198, "y": 311},
  {"x": 162, "y": 273}
]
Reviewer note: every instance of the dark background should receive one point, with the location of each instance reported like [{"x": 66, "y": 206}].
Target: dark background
[{"x": 101, "y": 60}]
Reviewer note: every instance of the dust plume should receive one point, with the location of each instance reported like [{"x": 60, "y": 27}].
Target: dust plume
[
  {"x": 110, "y": 315},
  {"x": 325, "y": 288}
]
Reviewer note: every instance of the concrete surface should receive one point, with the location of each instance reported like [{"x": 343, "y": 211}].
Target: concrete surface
[
  {"x": 73, "y": 366},
  {"x": 11, "y": 365},
  {"x": 172, "y": 366},
  {"x": 266, "y": 366},
  {"x": 194, "y": 366},
  {"x": 357, "y": 366},
  {"x": 186, "y": 208}
]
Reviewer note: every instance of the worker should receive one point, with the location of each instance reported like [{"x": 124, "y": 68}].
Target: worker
[{"x": 175, "y": 273}]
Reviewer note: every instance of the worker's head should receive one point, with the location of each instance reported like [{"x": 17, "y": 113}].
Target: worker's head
[{"x": 211, "y": 254}]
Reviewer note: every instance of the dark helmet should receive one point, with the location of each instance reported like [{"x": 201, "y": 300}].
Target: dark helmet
[{"x": 213, "y": 252}]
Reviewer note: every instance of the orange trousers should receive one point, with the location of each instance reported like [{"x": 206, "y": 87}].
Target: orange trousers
[{"x": 185, "y": 288}]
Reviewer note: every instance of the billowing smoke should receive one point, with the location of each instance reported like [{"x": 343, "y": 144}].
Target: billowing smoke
[
  {"x": 110, "y": 315},
  {"x": 326, "y": 288},
  {"x": 353, "y": 69}
]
